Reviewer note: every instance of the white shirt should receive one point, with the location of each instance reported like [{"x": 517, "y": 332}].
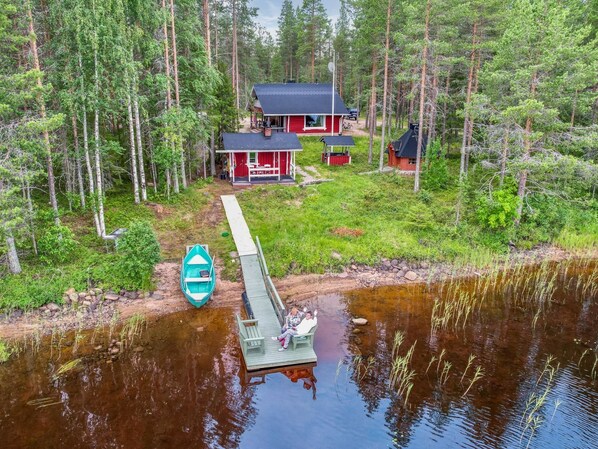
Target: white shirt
[{"x": 306, "y": 325}]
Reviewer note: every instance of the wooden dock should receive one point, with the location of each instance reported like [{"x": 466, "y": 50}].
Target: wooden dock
[{"x": 262, "y": 296}]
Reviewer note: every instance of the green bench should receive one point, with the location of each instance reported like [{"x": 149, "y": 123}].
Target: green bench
[
  {"x": 307, "y": 339},
  {"x": 249, "y": 335}
]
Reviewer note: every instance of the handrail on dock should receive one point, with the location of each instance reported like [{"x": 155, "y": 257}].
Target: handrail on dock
[{"x": 279, "y": 307}]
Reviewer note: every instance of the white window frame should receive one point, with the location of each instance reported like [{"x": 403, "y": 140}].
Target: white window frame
[
  {"x": 251, "y": 160},
  {"x": 323, "y": 126}
]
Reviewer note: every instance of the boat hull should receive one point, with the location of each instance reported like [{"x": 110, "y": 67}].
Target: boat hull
[{"x": 198, "y": 277}]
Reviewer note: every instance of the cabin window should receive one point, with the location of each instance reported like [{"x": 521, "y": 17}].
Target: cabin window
[
  {"x": 315, "y": 121},
  {"x": 253, "y": 158},
  {"x": 412, "y": 161}
]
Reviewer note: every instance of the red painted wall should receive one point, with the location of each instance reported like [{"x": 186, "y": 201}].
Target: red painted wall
[
  {"x": 297, "y": 122},
  {"x": 402, "y": 163},
  {"x": 336, "y": 160},
  {"x": 263, "y": 158}
]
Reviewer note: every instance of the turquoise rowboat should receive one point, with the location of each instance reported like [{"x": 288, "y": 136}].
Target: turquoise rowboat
[{"x": 198, "y": 278}]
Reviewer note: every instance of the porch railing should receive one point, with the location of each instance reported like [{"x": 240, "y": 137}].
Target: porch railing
[{"x": 263, "y": 171}]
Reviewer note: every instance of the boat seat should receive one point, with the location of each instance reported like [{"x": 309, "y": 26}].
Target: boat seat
[
  {"x": 208, "y": 279},
  {"x": 197, "y": 260},
  {"x": 197, "y": 296}
]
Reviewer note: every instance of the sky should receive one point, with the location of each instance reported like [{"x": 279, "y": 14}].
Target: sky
[{"x": 269, "y": 10}]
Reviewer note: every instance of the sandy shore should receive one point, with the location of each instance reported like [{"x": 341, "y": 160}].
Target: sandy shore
[{"x": 295, "y": 289}]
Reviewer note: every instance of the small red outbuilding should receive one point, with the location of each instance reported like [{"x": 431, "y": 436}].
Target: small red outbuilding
[
  {"x": 402, "y": 153},
  {"x": 258, "y": 158}
]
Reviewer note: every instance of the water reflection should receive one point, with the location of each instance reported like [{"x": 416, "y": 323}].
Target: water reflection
[
  {"x": 183, "y": 384},
  {"x": 303, "y": 373}
]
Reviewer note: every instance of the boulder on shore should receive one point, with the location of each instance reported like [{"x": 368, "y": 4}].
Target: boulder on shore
[
  {"x": 53, "y": 307},
  {"x": 360, "y": 321},
  {"x": 411, "y": 276}
]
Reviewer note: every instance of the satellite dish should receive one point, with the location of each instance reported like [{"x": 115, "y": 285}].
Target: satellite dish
[{"x": 331, "y": 67}]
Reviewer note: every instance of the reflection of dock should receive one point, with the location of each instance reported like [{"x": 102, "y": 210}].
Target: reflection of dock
[{"x": 263, "y": 298}]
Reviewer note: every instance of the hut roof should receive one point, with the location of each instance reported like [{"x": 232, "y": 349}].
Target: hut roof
[
  {"x": 406, "y": 145},
  {"x": 338, "y": 141}
]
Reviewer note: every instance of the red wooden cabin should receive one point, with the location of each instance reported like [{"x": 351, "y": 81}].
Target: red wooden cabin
[
  {"x": 402, "y": 153},
  {"x": 302, "y": 108},
  {"x": 336, "y": 149},
  {"x": 258, "y": 158}
]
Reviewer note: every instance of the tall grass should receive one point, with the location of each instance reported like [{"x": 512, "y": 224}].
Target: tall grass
[
  {"x": 401, "y": 374},
  {"x": 514, "y": 284},
  {"x": 532, "y": 417}
]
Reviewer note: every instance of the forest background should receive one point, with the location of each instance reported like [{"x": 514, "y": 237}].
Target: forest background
[{"x": 110, "y": 108}]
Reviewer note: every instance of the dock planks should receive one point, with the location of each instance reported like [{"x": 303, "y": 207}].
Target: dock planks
[
  {"x": 238, "y": 226},
  {"x": 259, "y": 299}
]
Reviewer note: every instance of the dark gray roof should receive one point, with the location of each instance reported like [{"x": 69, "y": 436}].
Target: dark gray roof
[
  {"x": 257, "y": 142},
  {"x": 406, "y": 145},
  {"x": 338, "y": 141},
  {"x": 298, "y": 99}
]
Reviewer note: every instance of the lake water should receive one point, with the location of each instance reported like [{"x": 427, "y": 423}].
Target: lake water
[{"x": 182, "y": 383}]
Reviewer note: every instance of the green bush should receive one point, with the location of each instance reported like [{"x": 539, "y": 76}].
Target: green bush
[
  {"x": 138, "y": 252},
  {"x": 56, "y": 244},
  {"x": 497, "y": 211},
  {"x": 27, "y": 292}
]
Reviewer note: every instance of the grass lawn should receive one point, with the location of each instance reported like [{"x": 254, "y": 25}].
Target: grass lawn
[{"x": 354, "y": 218}]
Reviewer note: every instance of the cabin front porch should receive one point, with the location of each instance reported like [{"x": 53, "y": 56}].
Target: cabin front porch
[
  {"x": 278, "y": 123},
  {"x": 260, "y": 167},
  {"x": 245, "y": 181}
]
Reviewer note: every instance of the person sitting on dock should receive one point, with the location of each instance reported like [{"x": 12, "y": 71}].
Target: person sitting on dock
[
  {"x": 293, "y": 319},
  {"x": 302, "y": 328}
]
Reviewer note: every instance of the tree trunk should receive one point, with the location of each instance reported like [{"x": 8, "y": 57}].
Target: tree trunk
[
  {"x": 527, "y": 145},
  {"x": 573, "y": 112},
  {"x": 177, "y": 97},
  {"x": 399, "y": 109},
  {"x": 212, "y": 154},
  {"x": 411, "y": 103},
  {"x": 445, "y": 107},
  {"x": 154, "y": 170},
  {"x": 78, "y": 162},
  {"x": 372, "y": 113},
  {"x": 504, "y": 156},
  {"x": 166, "y": 58},
  {"x": 168, "y": 182},
  {"x": 90, "y": 175},
  {"x": 206, "y": 26},
  {"x": 385, "y": 90},
  {"x": 31, "y": 215},
  {"x": 235, "y": 54},
  {"x": 433, "y": 106},
  {"x": 422, "y": 96},
  {"x": 175, "y": 64},
  {"x": 42, "y": 113},
  {"x": 466, "y": 120},
  {"x": 134, "y": 178},
  {"x": 175, "y": 179},
  {"x": 98, "y": 160},
  {"x": 471, "y": 122},
  {"x": 139, "y": 141},
  {"x": 13, "y": 257}
]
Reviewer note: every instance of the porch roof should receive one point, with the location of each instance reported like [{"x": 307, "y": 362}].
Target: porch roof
[{"x": 258, "y": 142}]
